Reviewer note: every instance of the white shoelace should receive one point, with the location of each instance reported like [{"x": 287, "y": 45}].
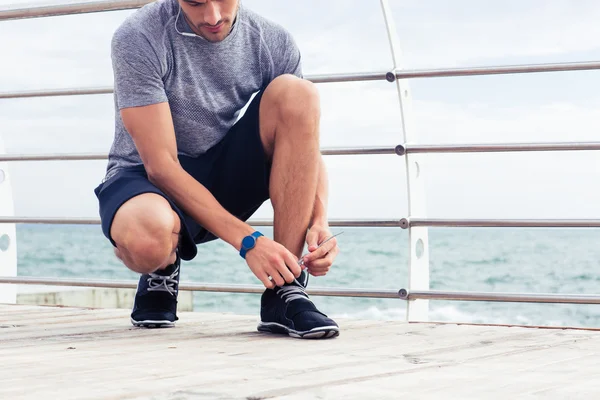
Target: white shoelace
[
  {"x": 289, "y": 293},
  {"x": 163, "y": 283}
]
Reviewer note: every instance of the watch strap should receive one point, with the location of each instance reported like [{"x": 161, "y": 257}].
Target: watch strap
[{"x": 243, "y": 250}]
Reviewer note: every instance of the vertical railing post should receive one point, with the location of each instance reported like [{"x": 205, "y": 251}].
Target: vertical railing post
[
  {"x": 418, "y": 275},
  {"x": 8, "y": 235}
]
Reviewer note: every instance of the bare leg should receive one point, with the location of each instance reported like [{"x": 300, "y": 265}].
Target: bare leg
[
  {"x": 289, "y": 121},
  {"x": 146, "y": 230}
]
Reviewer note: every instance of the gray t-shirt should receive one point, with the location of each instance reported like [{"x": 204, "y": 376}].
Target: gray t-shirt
[{"x": 206, "y": 84}]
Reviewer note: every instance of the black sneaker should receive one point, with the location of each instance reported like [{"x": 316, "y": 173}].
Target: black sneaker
[
  {"x": 155, "y": 304},
  {"x": 288, "y": 310}
]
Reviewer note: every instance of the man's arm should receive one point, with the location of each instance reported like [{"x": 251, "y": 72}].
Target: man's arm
[{"x": 151, "y": 128}]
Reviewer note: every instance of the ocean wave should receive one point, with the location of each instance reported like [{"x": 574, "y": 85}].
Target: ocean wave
[
  {"x": 585, "y": 277},
  {"x": 506, "y": 278},
  {"x": 439, "y": 314},
  {"x": 491, "y": 261},
  {"x": 446, "y": 313},
  {"x": 383, "y": 253},
  {"x": 375, "y": 313},
  {"x": 451, "y": 314}
]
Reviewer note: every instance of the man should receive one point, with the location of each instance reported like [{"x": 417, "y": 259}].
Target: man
[{"x": 182, "y": 171}]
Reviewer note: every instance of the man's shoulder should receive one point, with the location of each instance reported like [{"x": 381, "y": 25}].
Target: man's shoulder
[
  {"x": 264, "y": 26},
  {"x": 150, "y": 21}
]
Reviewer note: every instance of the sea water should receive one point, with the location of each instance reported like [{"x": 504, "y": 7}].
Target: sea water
[{"x": 532, "y": 260}]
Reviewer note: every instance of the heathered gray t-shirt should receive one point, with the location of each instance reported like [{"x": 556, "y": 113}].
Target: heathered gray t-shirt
[{"x": 206, "y": 84}]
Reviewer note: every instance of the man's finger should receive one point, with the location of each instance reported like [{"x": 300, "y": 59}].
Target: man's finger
[
  {"x": 292, "y": 264},
  {"x": 326, "y": 261},
  {"x": 276, "y": 277},
  {"x": 322, "y": 251},
  {"x": 320, "y": 264},
  {"x": 311, "y": 240},
  {"x": 318, "y": 271},
  {"x": 264, "y": 278},
  {"x": 285, "y": 272}
]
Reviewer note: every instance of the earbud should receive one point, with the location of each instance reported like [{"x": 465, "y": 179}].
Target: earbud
[{"x": 178, "y": 31}]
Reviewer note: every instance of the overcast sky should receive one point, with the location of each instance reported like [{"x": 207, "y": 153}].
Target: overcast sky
[{"x": 338, "y": 36}]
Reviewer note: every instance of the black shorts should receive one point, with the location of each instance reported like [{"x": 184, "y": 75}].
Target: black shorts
[{"x": 236, "y": 171}]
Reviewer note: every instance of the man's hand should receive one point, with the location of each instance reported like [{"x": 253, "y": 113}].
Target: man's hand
[
  {"x": 319, "y": 261},
  {"x": 270, "y": 259}
]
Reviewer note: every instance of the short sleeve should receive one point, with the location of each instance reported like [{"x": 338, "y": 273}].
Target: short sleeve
[
  {"x": 286, "y": 55},
  {"x": 137, "y": 69}
]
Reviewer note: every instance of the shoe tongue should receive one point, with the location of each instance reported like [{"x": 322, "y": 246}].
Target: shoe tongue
[{"x": 303, "y": 279}]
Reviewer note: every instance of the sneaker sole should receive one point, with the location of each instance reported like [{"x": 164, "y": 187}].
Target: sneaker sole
[
  {"x": 153, "y": 324},
  {"x": 323, "y": 332}
]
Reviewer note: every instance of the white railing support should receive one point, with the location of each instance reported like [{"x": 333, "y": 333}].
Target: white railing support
[
  {"x": 418, "y": 273},
  {"x": 8, "y": 235}
]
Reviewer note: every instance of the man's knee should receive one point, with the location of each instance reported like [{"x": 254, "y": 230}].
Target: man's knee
[
  {"x": 296, "y": 99},
  {"x": 146, "y": 230},
  {"x": 290, "y": 107}
]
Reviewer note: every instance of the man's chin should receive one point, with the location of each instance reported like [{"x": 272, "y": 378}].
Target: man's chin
[{"x": 215, "y": 36}]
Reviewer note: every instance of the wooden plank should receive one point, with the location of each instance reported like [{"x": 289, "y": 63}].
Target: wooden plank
[{"x": 92, "y": 354}]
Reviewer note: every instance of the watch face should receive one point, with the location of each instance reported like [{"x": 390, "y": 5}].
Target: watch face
[{"x": 248, "y": 242}]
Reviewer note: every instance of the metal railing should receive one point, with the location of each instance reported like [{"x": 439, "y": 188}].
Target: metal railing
[
  {"x": 332, "y": 292},
  {"x": 379, "y": 150},
  {"x": 407, "y": 149},
  {"x": 501, "y": 297},
  {"x": 495, "y": 147},
  {"x": 398, "y": 223},
  {"x": 498, "y": 70},
  {"x": 403, "y": 223},
  {"x": 390, "y": 76},
  {"x": 104, "y": 156},
  {"x": 402, "y": 294},
  {"x": 200, "y": 287},
  {"x": 503, "y": 223}
]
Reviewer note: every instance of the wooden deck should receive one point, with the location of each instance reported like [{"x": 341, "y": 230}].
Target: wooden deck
[{"x": 70, "y": 353}]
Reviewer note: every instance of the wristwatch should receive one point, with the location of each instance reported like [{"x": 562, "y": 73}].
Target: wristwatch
[{"x": 249, "y": 242}]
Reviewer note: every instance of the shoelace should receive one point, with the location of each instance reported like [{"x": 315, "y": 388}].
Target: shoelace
[
  {"x": 163, "y": 283},
  {"x": 289, "y": 293}
]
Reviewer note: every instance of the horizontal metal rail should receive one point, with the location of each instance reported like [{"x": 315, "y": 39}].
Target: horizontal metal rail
[
  {"x": 402, "y": 294},
  {"x": 495, "y": 147},
  {"x": 381, "y": 150},
  {"x": 7, "y": 14},
  {"x": 390, "y": 223},
  {"x": 501, "y": 297},
  {"x": 349, "y": 151},
  {"x": 496, "y": 70},
  {"x": 345, "y": 77},
  {"x": 198, "y": 287},
  {"x": 502, "y": 223},
  {"x": 104, "y": 156},
  {"x": 54, "y": 157},
  {"x": 56, "y": 92},
  {"x": 377, "y": 150},
  {"x": 322, "y": 78}
]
